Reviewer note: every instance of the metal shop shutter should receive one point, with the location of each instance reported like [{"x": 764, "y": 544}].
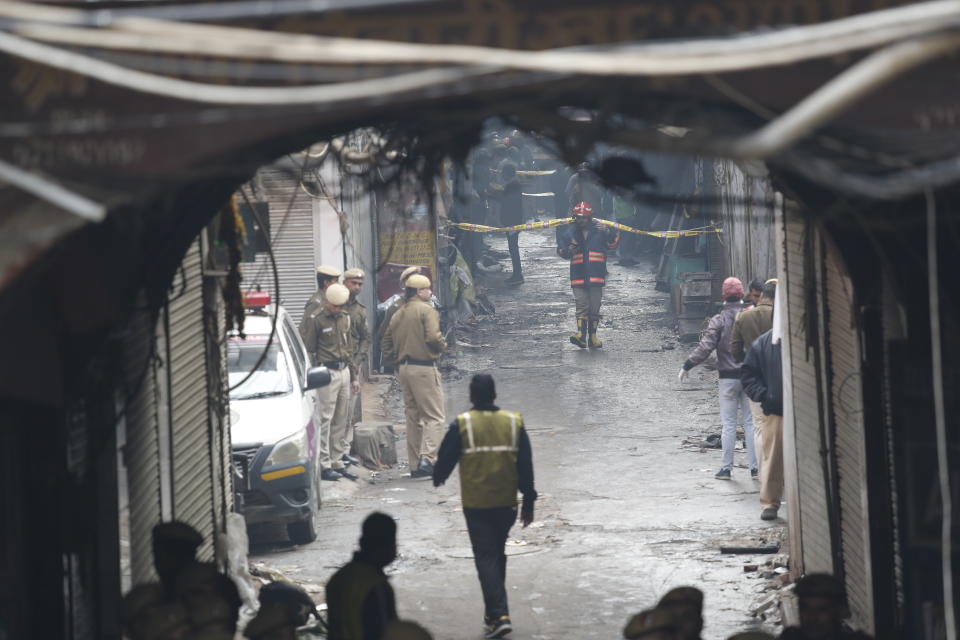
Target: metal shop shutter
[
  {"x": 193, "y": 491},
  {"x": 142, "y": 454},
  {"x": 814, "y": 517},
  {"x": 847, "y": 415},
  {"x": 292, "y": 238}
]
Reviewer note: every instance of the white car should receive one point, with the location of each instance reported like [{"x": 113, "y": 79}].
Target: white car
[{"x": 275, "y": 422}]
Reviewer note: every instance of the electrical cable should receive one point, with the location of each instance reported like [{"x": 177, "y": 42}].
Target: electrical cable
[
  {"x": 686, "y": 57},
  {"x": 380, "y": 88},
  {"x": 943, "y": 458},
  {"x": 840, "y": 93}
]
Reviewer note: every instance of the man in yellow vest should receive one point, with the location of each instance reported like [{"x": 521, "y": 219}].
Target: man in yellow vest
[
  {"x": 496, "y": 461},
  {"x": 360, "y": 601}
]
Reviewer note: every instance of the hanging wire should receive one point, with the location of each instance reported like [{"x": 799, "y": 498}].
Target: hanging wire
[
  {"x": 276, "y": 289},
  {"x": 943, "y": 458}
]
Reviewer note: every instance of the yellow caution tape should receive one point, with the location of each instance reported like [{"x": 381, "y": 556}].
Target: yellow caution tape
[
  {"x": 549, "y": 224},
  {"x": 545, "y": 172},
  {"x": 530, "y": 226},
  {"x": 678, "y": 233}
]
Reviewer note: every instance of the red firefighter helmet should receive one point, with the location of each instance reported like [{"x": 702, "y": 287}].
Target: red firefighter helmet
[{"x": 582, "y": 210}]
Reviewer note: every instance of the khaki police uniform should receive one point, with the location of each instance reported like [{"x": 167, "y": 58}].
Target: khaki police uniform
[
  {"x": 327, "y": 338},
  {"x": 387, "y": 317},
  {"x": 413, "y": 339},
  {"x": 316, "y": 300},
  {"x": 359, "y": 331},
  {"x": 360, "y": 345}
]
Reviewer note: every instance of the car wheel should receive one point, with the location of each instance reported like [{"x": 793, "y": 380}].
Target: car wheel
[{"x": 305, "y": 531}]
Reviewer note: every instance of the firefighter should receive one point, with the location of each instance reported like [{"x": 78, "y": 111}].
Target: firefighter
[
  {"x": 585, "y": 244},
  {"x": 496, "y": 462},
  {"x": 414, "y": 340},
  {"x": 326, "y": 276}
]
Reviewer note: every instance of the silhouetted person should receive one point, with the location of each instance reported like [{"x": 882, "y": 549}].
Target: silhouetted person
[
  {"x": 211, "y": 600},
  {"x": 652, "y": 624},
  {"x": 284, "y": 607},
  {"x": 147, "y": 615},
  {"x": 685, "y": 604},
  {"x": 822, "y": 601},
  {"x": 493, "y": 451},
  {"x": 360, "y": 601},
  {"x": 406, "y": 630},
  {"x": 175, "y": 547}
]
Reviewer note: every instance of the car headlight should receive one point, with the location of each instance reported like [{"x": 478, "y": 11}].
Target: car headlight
[{"x": 288, "y": 451}]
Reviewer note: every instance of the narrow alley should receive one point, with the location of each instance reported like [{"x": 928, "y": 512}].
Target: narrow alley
[{"x": 628, "y": 503}]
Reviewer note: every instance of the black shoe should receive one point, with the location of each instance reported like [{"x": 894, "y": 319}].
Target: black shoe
[
  {"x": 346, "y": 474},
  {"x": 499, "y": 628},
  {"x": 348, "y": 459},
  {"x": 330, "y": 474},
  {"x": 768, "y": 514},
  {"x": 423, "y": 470}
]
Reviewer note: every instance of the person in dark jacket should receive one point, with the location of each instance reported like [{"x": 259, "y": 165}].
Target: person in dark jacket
[
  {"x": 732, "y": 398},
  {"x": 762, "y": 381},
  {"x": 493, "y": 451},
  {"x": 585, "y": 244},
  {"x": 511, "y": 214},
  {"x": 360, "y": 600}
]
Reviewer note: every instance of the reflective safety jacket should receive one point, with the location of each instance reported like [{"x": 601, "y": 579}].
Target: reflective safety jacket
[
  {"x": 488, "y": 458},
  {"x": 586, "y": 249}
]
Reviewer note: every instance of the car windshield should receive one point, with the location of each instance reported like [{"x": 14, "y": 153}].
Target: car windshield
[{"x": 272, "y": 378}]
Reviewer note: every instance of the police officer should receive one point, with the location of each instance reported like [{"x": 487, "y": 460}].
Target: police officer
[
  {"x": 326, "y": 333},
  {"x": 360, "y": 600},
  {"x": 326, "y": 276},
  {"x": 495, "y": 459},
  {"x": 413, "y": 339},
  {"x": 353, "y": 281},
  {"x": 391, "y": 310},
  {"x": 585, "y": 244},
  {"x": 360, "y": 335}
]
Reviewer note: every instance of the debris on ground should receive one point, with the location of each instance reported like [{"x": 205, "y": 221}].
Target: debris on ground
[{"x": 775, "y": 603}]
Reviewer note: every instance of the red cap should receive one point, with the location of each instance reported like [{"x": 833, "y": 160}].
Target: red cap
[{"x": 582, "y": 209}]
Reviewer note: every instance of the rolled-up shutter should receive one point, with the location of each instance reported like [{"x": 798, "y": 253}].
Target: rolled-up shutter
[
  {"x": 193, "y": 491},
  {"x": 292, "y": 238},
  {"x": 814, "y": 526},
  {"x": 847, "y": 416},
  {"x": 141, "y": 452}
]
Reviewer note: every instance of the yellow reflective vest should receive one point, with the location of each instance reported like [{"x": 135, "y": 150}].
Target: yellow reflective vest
[
  {"x": 346, "y": 592},
  {"x": 488, "y": 458}
]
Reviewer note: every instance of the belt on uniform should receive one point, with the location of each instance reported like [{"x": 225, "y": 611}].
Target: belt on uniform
[
  {"x": 335, "y": 365},
  {"x": 423, "y": 363}
]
